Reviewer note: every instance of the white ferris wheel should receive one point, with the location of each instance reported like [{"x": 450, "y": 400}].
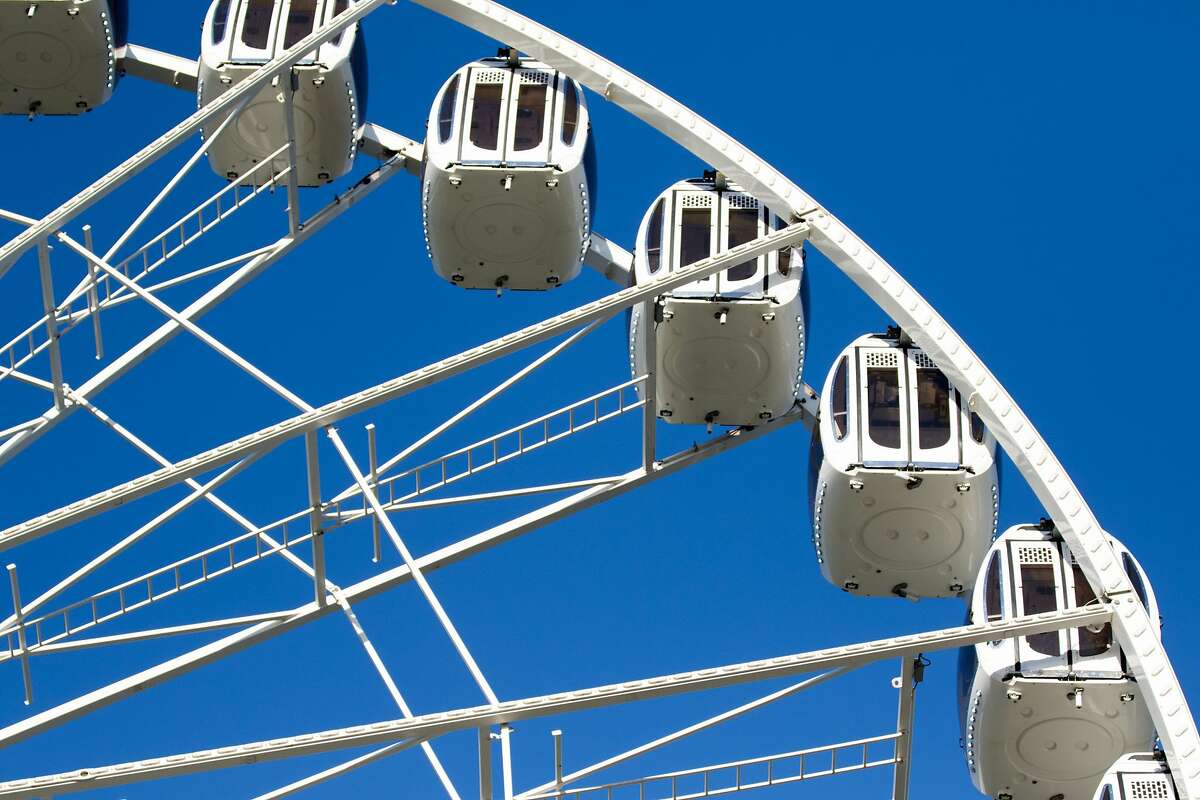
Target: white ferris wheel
[{"x": 1064, "y": 689}]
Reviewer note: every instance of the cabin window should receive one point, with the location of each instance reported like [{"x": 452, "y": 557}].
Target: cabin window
[
  {"x": 485, "y": 115},
  {"x": 1135, "y": 578},
  {"x": 933, "y": 408},
  {"x": 446, "y": 111},
  {"x": 992, "y": 605},
  {"x": 256, "y": 26},
  {"x": 338, "y": 8},
  {"x": 841, "y": 395},
  {"x": 1091, "y": 642},
  {"x": 1107, "y": 794},
  {"x": 695, "y": 236},
  {"x": 743, "y": 228},
  {"x": 220, "y": 21},
  {"x": 1038, "y": 596},
  {"x": 570, "y": 112},
  {"x": 531, "y": 117},
  {"x": 654, "y": 238},
  {"x": 977, "y": 429},
  {"x": 785, "y": 255},
  {"x": 302, "y": 15},
  {"x": 883, "y": 400}
]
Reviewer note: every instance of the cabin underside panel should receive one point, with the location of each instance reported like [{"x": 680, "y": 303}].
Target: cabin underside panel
[
  {"x": 883, "y": 533},
  {"x": 490, "y": 227},
  {"x": 53, "y": 61},
  {"x": 326, "y": 123},
  {"x": 1032, "y": 741}
]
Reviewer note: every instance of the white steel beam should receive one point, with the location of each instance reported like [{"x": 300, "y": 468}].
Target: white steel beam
[
  {"x": 436, "y": 724},
  {"x": 906, "y": 684},
  {"x": 418, "y": 576},
  {"x": 155, "y": 633},
  {"x": 337, "y": 770},
  {"x": 562, "y": 780},
  {"x": 986, "y": 396},
  {"x": 153, "y": 65},
  {"x": 385, "y": 581},
  {"x": 61, "y": 216},
  {"x": 775, "y": 770},
  {"x": 331, "y": 413},
  {"x": 135, "y": 355},
  {"x": 47, "y": 282}
]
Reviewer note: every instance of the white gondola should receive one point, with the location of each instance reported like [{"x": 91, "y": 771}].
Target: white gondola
[
  {"x": 58, "y": 56},
  {"x": 1138, "y": 776},
  {"x": 1046, "y": 715},
  {"x": 509, "y": 181},
  {"x": 729, "y": 349},
  {"x": 903, "y": 484},
  {"x": 239, "y": 36}
]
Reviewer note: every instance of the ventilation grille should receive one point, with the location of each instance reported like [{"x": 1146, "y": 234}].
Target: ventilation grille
[
  {"x": 536, "y": 78},
  {"x": 882, "y": 358},
  {"x": 696, "y": 200},
  {"x": 489, "y": 76},
  {"x": 923, "y": 361},
  {"x": 1150, "y": 787},
  {"x": 741, "y": 201},
  {"x": 1035, "y": 554}
]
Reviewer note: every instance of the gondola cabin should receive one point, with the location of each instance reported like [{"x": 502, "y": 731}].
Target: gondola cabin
[
  {"x": 729, "y": 349},
  {"x": 1047, "y": 715},
  {"x": 509, "y": 177},
  {"x": 903, "y": 484},
  {"x": 239, "y": 36},
  {"x": 58, "y": 56},
  {"x": 1138, "y": 776}
]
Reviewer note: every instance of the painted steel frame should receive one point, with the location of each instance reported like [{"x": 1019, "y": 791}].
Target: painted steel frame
[{"x": 876, "y": 277}]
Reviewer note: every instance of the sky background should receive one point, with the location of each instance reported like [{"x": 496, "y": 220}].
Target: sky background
[{"x": 1030, "y": 167}]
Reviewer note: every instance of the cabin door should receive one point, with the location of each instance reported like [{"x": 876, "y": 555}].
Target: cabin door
[
  {"x": 694, "y": 237},
  {"x": 883, "y": 403},
  {"x": 484, "y": 129},
  {"x": 530, "y": 117},
  {"x": 255, "y": 31},
  {"x": 1038, "y": 587},
  {"x": 742, "y": 221},
  {"x": 1092, "y": 650},
  {"x": 298, "y": 20},
  {"x": 934, "y": 418}
]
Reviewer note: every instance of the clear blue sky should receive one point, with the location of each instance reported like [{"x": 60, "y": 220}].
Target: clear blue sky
[{"x": 1031, "y": 167}]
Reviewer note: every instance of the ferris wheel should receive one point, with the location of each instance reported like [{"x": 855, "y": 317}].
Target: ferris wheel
[{"x": 1064, "y": 688}]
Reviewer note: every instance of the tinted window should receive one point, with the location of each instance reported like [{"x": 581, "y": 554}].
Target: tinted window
[
  {"x": 840, "y": 397},
  {"x": 785, "y": 255},
  {"x": 694, "y": 240},
  {"x": 220, "y": 21},
  {"x": 1091, "y": 643},
  {"x": 992, "y": 603},
  {"x": 883, "y": 406},
  {"x": 933, "y": 408},
  {"x": 743, "y": 228},
  {"x": 446, "y": 111},
  {"x": 1038, "y": 596},
  {"x": 302, "y": 15},
  {"x": 531, "y": 117},
  {"x": 977, "y": 429},
  {"x": 1135, "y": 578},
  {"x": 654, "y": 238},
  {"x": 485, "y": 115},
  {"x": 1107, "y": 794},
  {"x": 256, "y": 28},
  {"x": 570, "y": 111},
  {"x": 339, "y": 7}
]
